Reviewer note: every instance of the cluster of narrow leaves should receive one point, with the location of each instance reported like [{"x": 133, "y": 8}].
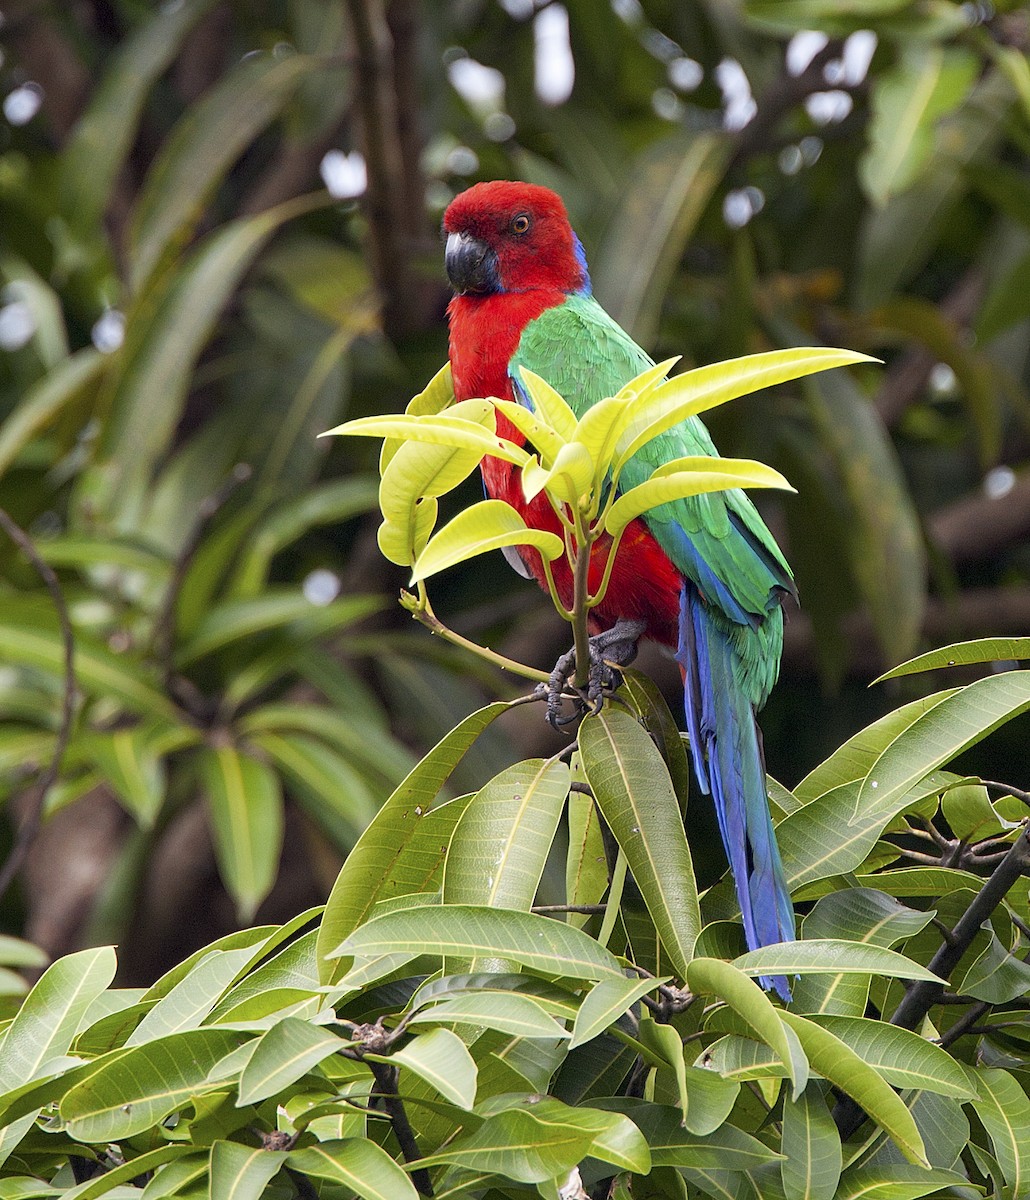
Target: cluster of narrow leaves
[
  {"x": 434, "y": 1030},
  {"x": 577, "y": 463}
]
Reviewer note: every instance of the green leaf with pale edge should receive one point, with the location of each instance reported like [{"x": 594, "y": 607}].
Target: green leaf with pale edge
[
  {"x": 366, "y": 874},
  {"x": 129, "y": 1091},
  {"x": 839, "y": 1064},
  {"x": 442, "y": 1059},
  {"x": 830, "y": 955},
  {"x": 903, "y": 1058},
  {"x": 518, "y": 1015},
  {"x": 547, "y": 946},
  {"x": 537, "y": 1138},
  {"x": 694, "y": 392},
  {"x": 52, "y": 1012},
  {"x": 283, "y": 1054},
  {"x": 246, "y": 807},
  {"x": 500, "y": 845},
  {"x": 633, "y": 790},
  {"x": 115, "y": 1178},
  {"x": 690, "y": 477},
  {"x": 241, "y": 1172},
  {"x": 605, "y": 1003},
  {"x": 441, "y": 430},
  {"x": 187, "y": 1004},
  {"x": 961, "y": 654},
  {"x": 899, "y": 1182},
  {"x": 712, "y": 977},
  {"x": 958, "y": 722},
  {"x": 488, "y": 525},
  {"x": 1004, "y": 1108},
  {"x": 811, "y": 1147},
  {"x": 358, "y": 1163},
  {"x": 672, "y": 1145}
]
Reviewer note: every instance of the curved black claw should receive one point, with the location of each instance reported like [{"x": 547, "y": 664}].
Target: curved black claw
[{"x": 615, "y": 648}]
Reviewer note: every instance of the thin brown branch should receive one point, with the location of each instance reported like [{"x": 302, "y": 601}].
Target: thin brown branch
[
  {"x": 386, "y": 1088},
  {"x": 30, "y": 826}
]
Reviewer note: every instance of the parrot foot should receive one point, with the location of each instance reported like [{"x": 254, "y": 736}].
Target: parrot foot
[{"x": 615, "y": 648}]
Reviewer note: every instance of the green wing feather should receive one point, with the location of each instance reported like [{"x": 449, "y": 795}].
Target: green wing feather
[{"x": 717, "y": 540}]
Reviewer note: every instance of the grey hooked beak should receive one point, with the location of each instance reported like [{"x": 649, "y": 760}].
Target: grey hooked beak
[{"x": 471, "y": 265}]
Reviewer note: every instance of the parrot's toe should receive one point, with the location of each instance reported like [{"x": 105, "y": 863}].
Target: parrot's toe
[{"x": 615, "y": 648}]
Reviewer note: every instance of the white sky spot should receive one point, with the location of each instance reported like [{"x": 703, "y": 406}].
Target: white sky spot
[
  {"x": 462, "y": 160},
  {"x": 521, "y": 10},
  {"x": 998, "y": 482},
  {"x": 499, "y": 127},
  {"x": 738, "y": 103},
  {"x": 827, "y": 108},
  {"x": 667, "y": 104},
  {"x": 21, "y": 105},
  {"x": 741, "y": 204},
  {"x": 344, "y": 175},
  {"x": 685, "y": 74},
  {"x": 108, "y": 331},
  {"x": 321, "y": 587},
  {"x": 17, "y": 325},
  {"x": 554, "y": 69},
  {"x": 790, "y": 160},
  {"x": 859, "y": 49},
  {"x": 833, "y": 72},
  {"x": 802, "y": 48},
  {"x": 482, "y": 88},
  {"x": 942, "y": 379},
  {"x": 629, "y": 11},
  {"x": 811, "y": 148}
]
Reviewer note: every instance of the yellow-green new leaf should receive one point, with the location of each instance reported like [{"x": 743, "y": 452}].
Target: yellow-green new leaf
[
  {"x": 647, "y": 380},
  {"x": 571, "y": 475},
  {"x": 691, "y": 477},
  {"x": 437, "y": 395},
  {"x": 686, "y": 395},
  {"x": 549, "y": 405},
  {"x": 597, "y": 431},
  {"x": 442, "y": 430},
  {"x": 547, "y": 440},
  {"x": 489, "y": 525}
]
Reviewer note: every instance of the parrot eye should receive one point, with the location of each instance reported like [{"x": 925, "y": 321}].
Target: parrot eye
[{"x": 520, "y": 224}]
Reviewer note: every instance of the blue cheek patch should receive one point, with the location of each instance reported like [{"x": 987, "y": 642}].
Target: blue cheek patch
[{"x": 587, "y": 288}]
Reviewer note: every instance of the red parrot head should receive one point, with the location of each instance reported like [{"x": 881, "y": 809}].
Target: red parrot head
[{"x": 512, "y": 237}]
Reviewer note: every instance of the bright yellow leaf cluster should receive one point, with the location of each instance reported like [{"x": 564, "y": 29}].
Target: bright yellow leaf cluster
[{"x": 575, "y": 462}]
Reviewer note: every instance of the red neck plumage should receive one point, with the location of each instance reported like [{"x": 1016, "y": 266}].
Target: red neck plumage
[{"x": 485, "y": 333}]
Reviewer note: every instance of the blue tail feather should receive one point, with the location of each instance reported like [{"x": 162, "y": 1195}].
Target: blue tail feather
[{"x": 725, "y": 743}]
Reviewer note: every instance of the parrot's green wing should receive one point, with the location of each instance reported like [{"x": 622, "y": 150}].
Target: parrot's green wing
[{"x": 718, "y": 540}]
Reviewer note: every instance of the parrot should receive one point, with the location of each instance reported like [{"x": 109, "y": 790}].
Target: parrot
[{"x": 701, "y": 575}]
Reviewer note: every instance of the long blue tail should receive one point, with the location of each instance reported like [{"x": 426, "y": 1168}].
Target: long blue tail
[{"x": 726, "y": 746}]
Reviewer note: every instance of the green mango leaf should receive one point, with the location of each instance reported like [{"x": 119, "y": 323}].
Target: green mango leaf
[
  {"x": 654, "y": 711},
  {"x": 539, "y": 943},
  {"x": 133, "y": 768},
  {"x": 368, "y": 874},
  {"x": 550, "y": 407},
  {"x": 509, "y": 1012},
  {"x": 903, "y": 1058},
  {"x": 605, "y": 1003},
  {"x": 658, "y": 409},
  {"x": 690, "y": 477},
  {"x": 843, "y": 1068},
  {"x": 537, "y": 1138},
  {"x": 997, "y": 976},
  {"x": 282, "y": 1055},
  {"x": 927, "y": 82},
  {"x": 959, "y": 721},
  {"x": 961, "y": 654},
  {"x": 99, "y": 144},
  {"x": 360, "y": 1164},
  {"x": 1008, "y": 301},
  {"x": 899, "y": 1182},
  {"x": 830, "y": 955},
  {"x": 110, "y": 1183},
  {"x": 245, "y": 803},
  {"x": 16, "y": 952},
  {"x": 129, "y": 1091},
  {"x": 242, "y": 1173},
  {"x": 442, "y": 1059},
  {"x": 52, "y": 1013},
  {"x": 586, "y": 868},
  {"x": 811, "y": 1147},
  {"x": 488, "y": 525},
  {"x": 500, "y": 845},
  {"x": 43, "y": 403},
  {"x": 200, "y": 150},
  {"x": 673, "y": 1145},
  {"x": 187, "y": 1004},
  {"x": 633, "y": 790},
  {"x": 1004, "y": 1108},
  {"x": 712, "y": 977}
]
